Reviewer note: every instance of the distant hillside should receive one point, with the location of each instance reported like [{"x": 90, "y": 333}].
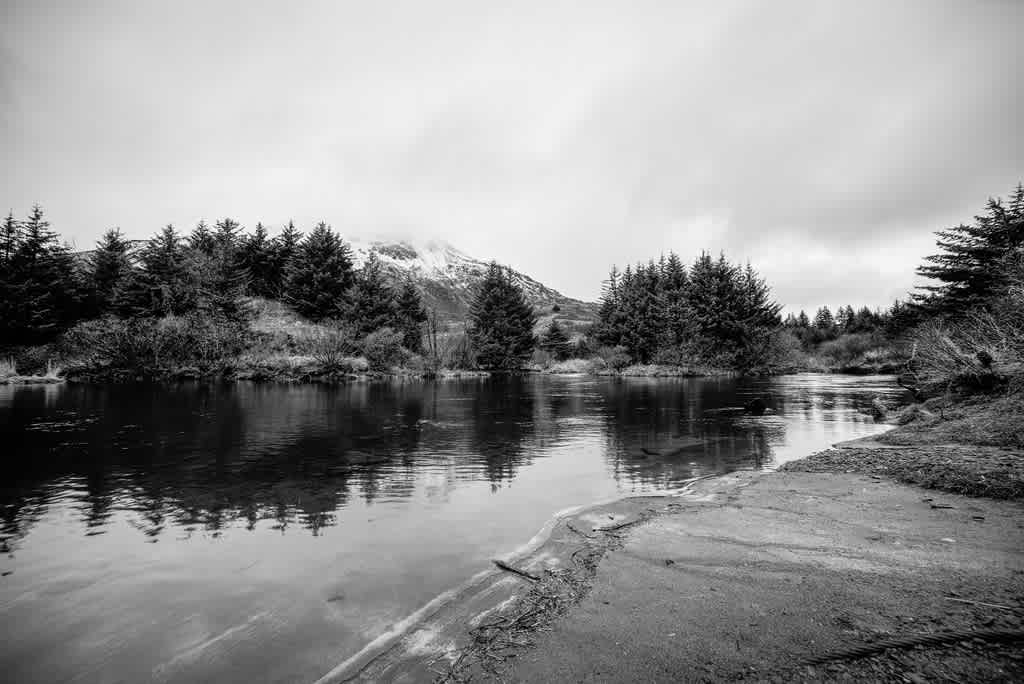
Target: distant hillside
[{"x": 447, "y": 279}]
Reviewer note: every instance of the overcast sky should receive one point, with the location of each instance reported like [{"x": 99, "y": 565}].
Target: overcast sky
[{"x": 823, "y": 141}]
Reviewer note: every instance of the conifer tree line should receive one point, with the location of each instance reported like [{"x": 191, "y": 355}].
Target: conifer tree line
[
  {"x": 827, "y": 326},
  {"x": 714, "y": 311},
  {"x": 43, "y": 291}
]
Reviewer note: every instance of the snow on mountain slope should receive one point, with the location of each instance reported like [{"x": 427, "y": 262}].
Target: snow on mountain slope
[{"x": 448, "y": 277}]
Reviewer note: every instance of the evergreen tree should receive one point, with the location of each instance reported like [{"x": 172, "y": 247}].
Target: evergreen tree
[
  {"x": 227, "y": 234},
  {"x": 823, "y": 320},
  {"x": 555, "y": 342},
  {"x": 257, "y": 258},
  {"x": 43, "y": 286},
  {"x": 678, "y": 330},
  {"x": 320, "y": 275},
  {"x": 10, "y": 238},
  {"x": 802, "y": 320},
  {"x": 608, "y": 329},
  {"x": 219, "y": 279},
  {"x": 372, "y": 300},
  {"x": 285, "y": 247},
  {"x": 201, "y": 239},
  {"x": 110, "y": 266},
  {"x": 966, "y": 267},
  {"x": 161, "y": 284},
  {"x": 501, "y": 321},
  {"x": 411, "y": 317}
]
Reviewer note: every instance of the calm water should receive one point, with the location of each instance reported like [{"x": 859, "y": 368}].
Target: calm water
[{"x": 267, "y": 532}]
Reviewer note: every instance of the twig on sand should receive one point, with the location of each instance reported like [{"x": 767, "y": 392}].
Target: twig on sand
[
  {"x": 578, "y": 530},
  {"x": 981, "y": 603},
  {"x": 522, "y": 573},
  {"x": 612, "y": 528}
]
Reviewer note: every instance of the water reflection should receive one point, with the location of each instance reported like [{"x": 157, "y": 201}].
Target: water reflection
[{"x": 205, "y": 457}]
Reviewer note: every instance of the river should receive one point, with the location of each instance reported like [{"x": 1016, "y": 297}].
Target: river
[{"x": 267, "y": 532}]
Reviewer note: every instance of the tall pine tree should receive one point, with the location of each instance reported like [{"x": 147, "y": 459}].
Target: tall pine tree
[
  {"x": 501, "y": 322},
  {"x": 257, "y": 257},
  {"x": 966, "y": 267},
  {"x": 43, "y": 284},
  {"x": 410, "y": 317},
  {"x": 372, "y": 299},
  {"x": 110, "y": 265},
  {"x": 320, "y": 275}
]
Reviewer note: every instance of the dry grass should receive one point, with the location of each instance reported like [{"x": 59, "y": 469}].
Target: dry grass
[
  {"x": 971, "y": 447},
  {"x": 970, "y": 471},
  {"x": 571, "y": 367},
  {"x": 980, "y": 420}
]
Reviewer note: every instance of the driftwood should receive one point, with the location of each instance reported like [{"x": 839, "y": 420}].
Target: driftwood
[
  {"x": 612, "y": 528},
  {"x": 578, "y": 530},
  {"x": 981, "y": 603},
  {"x": 522, "y": 573}
]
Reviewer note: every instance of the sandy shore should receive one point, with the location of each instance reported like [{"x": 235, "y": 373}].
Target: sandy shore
[{"x": 744, "y": 576}]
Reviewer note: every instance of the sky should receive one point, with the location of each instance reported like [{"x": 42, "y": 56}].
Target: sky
[{"x": 822, "y": 141}]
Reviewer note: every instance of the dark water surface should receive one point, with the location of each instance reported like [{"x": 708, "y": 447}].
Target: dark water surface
[{"x": 246, "y": 532}]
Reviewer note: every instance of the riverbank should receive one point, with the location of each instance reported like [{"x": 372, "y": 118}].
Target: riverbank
[{"x": 750, "y": 576}]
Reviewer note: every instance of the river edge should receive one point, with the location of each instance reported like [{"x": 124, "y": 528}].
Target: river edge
[
  {"x": 122, "y": 376},
  {"x": 492, "y": 626}
]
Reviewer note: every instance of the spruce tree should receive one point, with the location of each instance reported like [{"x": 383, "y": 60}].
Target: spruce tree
[
  {"x": 555, "y": 342},
  {"x": 823, "y": 320},
  {"x": 966, "y": 268},
  {"x": 110, "y": 265},
  {"x": 257, "y": 257},
  {"x": 44, "y": 286},
  {"x": 320, "y": 275},
  {"x": 284, "y": 249},
  {"x": 201, "y": 239},
  {"x": 227, "y": 234},
  {"x": 161, "y": 284},
  {"x": 411, "y": 317},
  {"x": 10, "y": 238},
  {"x": 372, "y": 300},
  {"x": 501, "y": 321}
]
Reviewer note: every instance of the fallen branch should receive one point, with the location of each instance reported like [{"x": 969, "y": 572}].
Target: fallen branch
[
  {"x": 522, "y": 573},
  {"x": 612, "y": 528},
  {"x": 981, "y": 603},
  {"x": 578, "y": 530}
]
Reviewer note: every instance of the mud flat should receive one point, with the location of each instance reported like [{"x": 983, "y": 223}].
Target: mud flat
[{"x": 740, "y": 576}]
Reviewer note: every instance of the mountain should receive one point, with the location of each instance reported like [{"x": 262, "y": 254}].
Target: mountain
[{"x": 447, "y": 279}]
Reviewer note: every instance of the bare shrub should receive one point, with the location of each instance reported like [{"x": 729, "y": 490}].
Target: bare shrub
[
  {"x": 542, "y": 359},
  {"x": 332, "y": 346},
  {"x": 383, "y": 349},
  {"x": 615, "y": 358},
  {"x": 7, "y": 369}
]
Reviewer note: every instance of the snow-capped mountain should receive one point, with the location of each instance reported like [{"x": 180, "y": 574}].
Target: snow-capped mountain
[{"x": 448, "y": 278}]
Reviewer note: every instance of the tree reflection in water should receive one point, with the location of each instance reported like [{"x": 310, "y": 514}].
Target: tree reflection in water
[{"x": 205, "y": 457}]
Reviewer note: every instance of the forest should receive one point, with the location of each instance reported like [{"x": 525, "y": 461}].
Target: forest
[{"x": 220, "y": 301}]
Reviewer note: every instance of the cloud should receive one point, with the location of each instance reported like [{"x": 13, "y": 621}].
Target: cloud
[{"x": 822, "y": 141}]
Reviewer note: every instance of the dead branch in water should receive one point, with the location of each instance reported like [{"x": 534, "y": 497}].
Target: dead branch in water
[{"x": 522, "y": 573}]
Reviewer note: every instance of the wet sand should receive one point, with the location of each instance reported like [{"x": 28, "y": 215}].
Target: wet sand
[{"x": 741, "y": 576}]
